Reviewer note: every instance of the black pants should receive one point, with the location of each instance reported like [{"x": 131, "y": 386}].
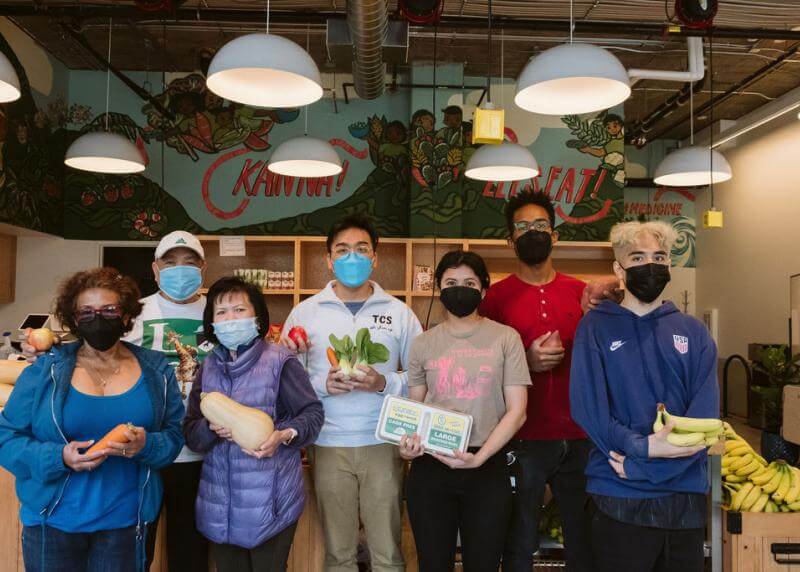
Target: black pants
[
  {"x": 443, "y": 502},
  {"x": 561, "y": 464},
  {"x": 187, "y": 549},
  {"x": 270, "y": 556},
  {"x": 618, "y": 546}
]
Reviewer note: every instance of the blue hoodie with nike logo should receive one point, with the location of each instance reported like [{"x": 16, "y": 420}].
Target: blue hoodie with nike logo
[{"x": 623, "y": 365}]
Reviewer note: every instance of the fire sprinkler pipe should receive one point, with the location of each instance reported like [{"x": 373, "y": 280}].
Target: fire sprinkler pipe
[{"x": 695, "y": 72}]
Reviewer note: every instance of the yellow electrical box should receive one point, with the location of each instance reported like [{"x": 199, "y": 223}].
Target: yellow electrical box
[
  {"x": 488, "y": 126},
  {"x": 712, "y": 219}
]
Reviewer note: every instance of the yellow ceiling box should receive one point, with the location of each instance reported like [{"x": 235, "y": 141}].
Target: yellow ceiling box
[
  {"x": 712, "y": 219},
  {"x": 488, "y": 125}
]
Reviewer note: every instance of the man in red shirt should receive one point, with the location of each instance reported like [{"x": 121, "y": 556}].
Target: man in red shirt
[{"x": 544, "y": 306}]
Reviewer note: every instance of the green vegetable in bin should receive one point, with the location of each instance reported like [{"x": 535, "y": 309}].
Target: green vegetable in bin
[{"x": 362, "y": 352}]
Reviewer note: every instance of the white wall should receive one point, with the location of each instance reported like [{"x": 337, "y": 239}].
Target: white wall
[
  {"x": 42, "y": 262},
  {"x": 743, "y": 269}
]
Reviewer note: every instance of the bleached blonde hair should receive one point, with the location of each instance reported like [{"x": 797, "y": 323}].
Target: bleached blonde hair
[{"x": 625, "y": 234}]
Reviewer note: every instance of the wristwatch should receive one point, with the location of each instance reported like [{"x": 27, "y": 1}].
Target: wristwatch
[{"x": 291, "y": 439}]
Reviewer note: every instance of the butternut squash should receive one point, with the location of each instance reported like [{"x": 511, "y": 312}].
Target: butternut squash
[
  {"x": 5, "y": 392},
  {"x": 10, "y": 370},
  {"x": 249, "y": 427}
]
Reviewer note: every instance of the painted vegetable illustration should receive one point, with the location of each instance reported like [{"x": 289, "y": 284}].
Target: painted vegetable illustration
[{"x": 363, "y": 352}]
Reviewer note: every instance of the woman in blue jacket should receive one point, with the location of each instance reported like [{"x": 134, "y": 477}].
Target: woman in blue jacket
[{"x": 90, "y": 512}]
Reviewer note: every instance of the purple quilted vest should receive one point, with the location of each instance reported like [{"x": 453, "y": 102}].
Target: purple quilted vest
[{"x": 243, "y": 500}]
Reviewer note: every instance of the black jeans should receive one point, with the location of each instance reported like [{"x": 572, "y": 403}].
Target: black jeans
[
  {"x": 269, "y": 556},
  {"x": 618, "y": 546},
  {"x": 561, "y": 464},
  {"x": 46, "y": 549},
  {"x": 443, "y": 502},
  {"x": 187, "y": 549}
]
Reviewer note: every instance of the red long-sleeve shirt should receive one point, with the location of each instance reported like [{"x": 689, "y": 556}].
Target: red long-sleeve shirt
[{"x": 534, "y": 311}]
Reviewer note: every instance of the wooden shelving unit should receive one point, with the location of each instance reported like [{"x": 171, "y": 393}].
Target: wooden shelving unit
[{"x": 306, "y": 257}]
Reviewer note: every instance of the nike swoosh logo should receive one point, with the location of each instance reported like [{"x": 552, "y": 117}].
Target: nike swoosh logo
[{"x": 616, "y": 345}]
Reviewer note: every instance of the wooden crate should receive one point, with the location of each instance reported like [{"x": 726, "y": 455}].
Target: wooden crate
[{"x": 748, "y": 539}]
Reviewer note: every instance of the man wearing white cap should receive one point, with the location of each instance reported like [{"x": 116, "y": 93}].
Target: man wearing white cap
[{"x": 177, "y": 308}]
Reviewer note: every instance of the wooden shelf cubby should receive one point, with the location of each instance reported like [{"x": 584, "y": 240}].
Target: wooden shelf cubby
[{"x": 306, "y": 257}]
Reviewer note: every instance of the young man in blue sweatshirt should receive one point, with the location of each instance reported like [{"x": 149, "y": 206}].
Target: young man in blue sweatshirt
[
  {"x": 648, "y": 495},
  {"x": 356, "y": 477}
]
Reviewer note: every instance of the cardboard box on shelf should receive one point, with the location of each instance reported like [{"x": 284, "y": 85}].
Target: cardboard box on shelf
[
  {"x": 423, "y": 278},
  {"x": 791, "y": 413}
]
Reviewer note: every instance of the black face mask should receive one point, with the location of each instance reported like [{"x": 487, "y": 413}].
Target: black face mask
[
  {"x": 461, "y": 300},
  {"x": 534, "y": 247},
  {"x": 101, "y": 333},
  {"x": 647, "y": 281}
]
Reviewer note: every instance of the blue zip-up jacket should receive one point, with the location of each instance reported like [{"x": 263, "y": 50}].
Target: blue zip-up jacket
[
  {"x": 31, "y": 438},
  {"x": 623, "y": 365}
]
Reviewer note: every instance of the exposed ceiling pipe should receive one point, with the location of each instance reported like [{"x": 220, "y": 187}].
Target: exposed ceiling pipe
[
  {"x": 132, "y": 85},
  {"x": 85, "y": 11},
  {"x": 367, "y": 20},
  {"x": 734, "y": 89},
  {"x": 695, "y": 72},
  {"x": 637, "y": 132}
]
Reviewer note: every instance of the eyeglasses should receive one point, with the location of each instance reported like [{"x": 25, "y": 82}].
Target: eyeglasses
[
  {"x": 540, "y": 224},
  {"x": 87, "y": 313},
  {"x": 362, "y": 249}
]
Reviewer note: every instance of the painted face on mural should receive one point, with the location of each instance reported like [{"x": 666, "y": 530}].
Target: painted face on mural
[
  {"x": 396, "y": 132},
  {"x": 212, "y": 101},
  {"x": 453, "y": 120},
  {"x": 186, "y": 104}
]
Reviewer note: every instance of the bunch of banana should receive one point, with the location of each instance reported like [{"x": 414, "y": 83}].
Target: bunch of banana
[
  {"x": 688, "y": 431},
  {"x": 754, "y": 486}
]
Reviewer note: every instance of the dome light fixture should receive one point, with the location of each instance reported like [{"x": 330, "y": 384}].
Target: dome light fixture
[
  {"x": 104, "y": 151},
  {"x": 689, "y": 167},
  {"x": 9, "y": 81},
  {"x": 572, "y": 79},
  {"x": 504, "y": 162},
  {"x": 305, "y": 156}
]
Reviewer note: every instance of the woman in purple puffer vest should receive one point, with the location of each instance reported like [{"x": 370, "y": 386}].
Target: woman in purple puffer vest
[{"x": 250, "y": 500}]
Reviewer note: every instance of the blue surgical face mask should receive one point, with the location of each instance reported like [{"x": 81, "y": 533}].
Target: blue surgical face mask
[
  {"x": 235, "y": 333},
  {"x": 180, "y": 282},
  {"x": 353, "y": 269}
]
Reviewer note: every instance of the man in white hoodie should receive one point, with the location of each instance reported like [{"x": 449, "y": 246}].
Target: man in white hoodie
[{"x": 355, "y": 475}]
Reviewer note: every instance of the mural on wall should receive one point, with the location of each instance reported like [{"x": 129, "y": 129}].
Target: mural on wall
[
  {"x": 207, "y": 167},
  {"x": 32, "y": 145},
  {"x": 673, "y": 205}
]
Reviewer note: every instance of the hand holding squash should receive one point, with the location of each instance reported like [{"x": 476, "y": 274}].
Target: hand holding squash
[
  {"x": 137, "y": 437},
  {"x": 249, "y": 427},
  {"x": 222, "y": 432},
  {"x": 271, "y": 445},
  {"x": 78, "y": 461}
]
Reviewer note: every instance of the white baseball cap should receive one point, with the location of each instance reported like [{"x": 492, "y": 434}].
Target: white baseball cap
[{"x": 179, "y": 239}]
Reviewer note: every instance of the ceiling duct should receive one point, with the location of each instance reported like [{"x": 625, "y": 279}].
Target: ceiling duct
[{"x": 367, "y": 21}]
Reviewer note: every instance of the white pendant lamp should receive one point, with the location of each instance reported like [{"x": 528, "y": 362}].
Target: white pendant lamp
[
  {"x": 689, "y": 167},
  {"x": 504, "y": 162},
  {"x": 305, "y": 157},
  {"x": 692, "y": 166},
  {"x": 9, "y": 81},
  {"x": 264, "y": 70},
  {"x": 572, "y": 79},
  {"x": 103, "y": 151}
]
